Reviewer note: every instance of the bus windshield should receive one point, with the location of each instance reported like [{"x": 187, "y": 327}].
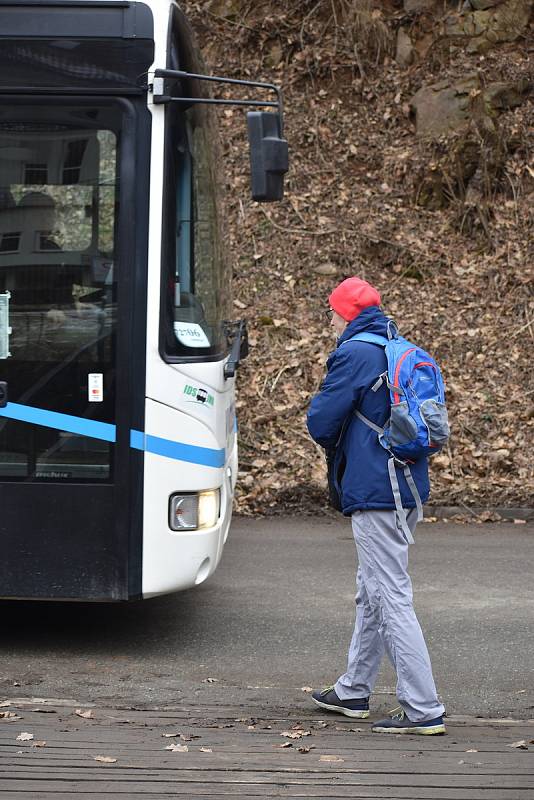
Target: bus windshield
[{"x": 58, "y": 206}]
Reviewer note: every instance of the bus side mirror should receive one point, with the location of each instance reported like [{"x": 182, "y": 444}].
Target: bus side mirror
[{"x": 269, "y": 160}]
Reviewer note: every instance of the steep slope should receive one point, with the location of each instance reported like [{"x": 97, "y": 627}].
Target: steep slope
[{"x": 410, "y": 126}]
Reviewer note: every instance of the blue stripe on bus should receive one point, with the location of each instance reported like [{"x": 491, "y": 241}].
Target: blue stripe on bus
[
  {"x": 62, "y": 422},
  {"x": 178, "y": 451},
  {"x": 137, "y": 440},
  {"x": 205, "y": 456}
]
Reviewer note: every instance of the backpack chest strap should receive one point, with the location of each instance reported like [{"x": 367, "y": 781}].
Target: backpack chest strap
[{"x": 383, "y": 378}]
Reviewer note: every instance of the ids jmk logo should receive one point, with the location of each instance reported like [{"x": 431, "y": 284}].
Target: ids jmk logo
[{"x": 197, "y": 395}]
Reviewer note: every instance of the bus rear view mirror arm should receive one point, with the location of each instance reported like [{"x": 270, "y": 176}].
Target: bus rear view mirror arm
[
  {"x": 269, "y": 155},
  {"x": 239, "y": 350}
]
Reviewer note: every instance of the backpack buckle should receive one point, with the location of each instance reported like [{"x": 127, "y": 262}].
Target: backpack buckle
[{"x": 379, "y": 381}]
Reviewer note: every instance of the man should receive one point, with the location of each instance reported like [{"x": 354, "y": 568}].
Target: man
[{"x": 385, "y": 617}]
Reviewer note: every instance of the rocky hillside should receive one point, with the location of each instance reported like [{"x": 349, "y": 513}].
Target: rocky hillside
[{"x": 411, "y": 133}]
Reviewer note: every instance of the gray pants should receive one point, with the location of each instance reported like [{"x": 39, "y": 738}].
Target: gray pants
[{"x": 385, "y": 618}]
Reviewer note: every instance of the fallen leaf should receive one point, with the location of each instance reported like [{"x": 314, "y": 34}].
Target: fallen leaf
[
  {"x": 298, "y": 733},
  {"x": 210, "y": 680},
  {"x": 105, "y": 759},
  {"x": 85, "y": 714},
  {"x": 283, "y": 744},
  {"x": 177, "y": 748},
  {"x": 520, "y": 745},
  {"x": 303, "y": 749},
  {"x": 335, "y": 759},
  {"x": 206, "y": 750},
  {"x": 10, "y": 716},
  {"x": 326, "y": 269},
  {"x": 307, "y": 689},
  {"x": 170, "y": 735},
  {"x": 40, "y": 743},
  {"x": 251, "y": 727},
  {"x": 471, "y": 751},
  {"x": 520, "y": 522},
  {"x": 24, "y": 737},
  {"x": 5, "y": 703}
]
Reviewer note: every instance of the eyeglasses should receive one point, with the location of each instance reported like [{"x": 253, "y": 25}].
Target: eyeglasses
[{"x": 329, "y": 313}]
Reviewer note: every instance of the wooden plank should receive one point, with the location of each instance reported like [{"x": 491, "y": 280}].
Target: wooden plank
[
  {"x": 153, "y": 740},
  {"x": 271, "y": 751},
  {"x": 62, "y": 789},
  {"x": 318, "y": 774},
  {"x": 503, "y": 752},
  {"x": 212, "y": 763},
  {"x": 88, "y": 731},
  {"x": 216, "y": 713},
  {"x": 145, "y": 779}
]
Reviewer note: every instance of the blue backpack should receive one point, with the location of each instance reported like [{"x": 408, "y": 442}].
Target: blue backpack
[{"x": 418, "y": 425}]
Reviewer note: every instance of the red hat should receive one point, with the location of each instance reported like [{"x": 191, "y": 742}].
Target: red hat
[{"x": 352, "y": 296}]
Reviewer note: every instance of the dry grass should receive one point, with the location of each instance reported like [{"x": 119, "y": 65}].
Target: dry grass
[{"x": 364, "y": 26}]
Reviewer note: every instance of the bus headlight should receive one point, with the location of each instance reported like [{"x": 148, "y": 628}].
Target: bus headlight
[{"x": 191, "y": 512}]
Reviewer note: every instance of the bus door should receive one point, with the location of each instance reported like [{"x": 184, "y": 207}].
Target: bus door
[{"x": 63, "y": 532}]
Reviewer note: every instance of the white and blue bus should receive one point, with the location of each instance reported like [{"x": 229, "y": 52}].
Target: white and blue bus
[{"x": 118, "y": 454}]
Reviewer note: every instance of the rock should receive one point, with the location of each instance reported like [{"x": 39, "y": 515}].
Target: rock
[
  {"x": 491, "y": 22},
  {"x": 442, "y": 107},
  {"x": 417, "y": 6},
  {"x": 405, "y": 49},
  {"x": 224, "y": 8},
  {"x": 481, "y": 5},
  {"x": 500, "y": 97},
  {"x": 326, "y": 269}
]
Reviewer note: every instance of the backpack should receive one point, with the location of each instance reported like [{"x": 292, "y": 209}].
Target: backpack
[{"x": 418, "y": 425}]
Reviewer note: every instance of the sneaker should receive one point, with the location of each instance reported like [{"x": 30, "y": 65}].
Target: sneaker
[
  {"x": 399, "y": 723},
  {"x": 327, "y": 698}
]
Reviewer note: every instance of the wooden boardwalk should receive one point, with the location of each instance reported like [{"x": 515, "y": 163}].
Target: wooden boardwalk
[{"x": 222, "y": 752}]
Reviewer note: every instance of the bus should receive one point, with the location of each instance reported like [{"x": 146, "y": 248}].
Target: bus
[{"x": 118, "y": 351}]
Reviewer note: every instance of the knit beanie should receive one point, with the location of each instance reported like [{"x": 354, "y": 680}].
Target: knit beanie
[{"x": 352, "y": 296}]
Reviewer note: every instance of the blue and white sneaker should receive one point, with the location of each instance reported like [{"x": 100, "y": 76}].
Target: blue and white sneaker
[
  {"x": 399, "y": 723},
  {"x": 327, "y": 698}
]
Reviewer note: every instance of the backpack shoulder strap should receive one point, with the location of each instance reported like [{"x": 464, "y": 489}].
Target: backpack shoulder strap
[
  {"x": 381, "y": 341},
  {"x": 372, "y": 338}
]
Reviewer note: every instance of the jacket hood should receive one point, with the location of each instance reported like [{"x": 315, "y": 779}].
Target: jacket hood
[{"x": 370, "y": 320}]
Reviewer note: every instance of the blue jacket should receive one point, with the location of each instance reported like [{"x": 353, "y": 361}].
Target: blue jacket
[{"x": 353, "y": 368}]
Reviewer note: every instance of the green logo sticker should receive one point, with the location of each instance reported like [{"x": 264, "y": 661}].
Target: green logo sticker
[{"x": 198, "y": 395}]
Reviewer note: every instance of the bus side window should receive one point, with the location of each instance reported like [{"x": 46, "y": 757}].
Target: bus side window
[
  {"x": 184, "y": 209},
  {"x": 195, "y": 299}
]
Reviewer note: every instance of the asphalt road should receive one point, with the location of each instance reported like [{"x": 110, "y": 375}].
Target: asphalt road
[{"x": 277, "y": 616}]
